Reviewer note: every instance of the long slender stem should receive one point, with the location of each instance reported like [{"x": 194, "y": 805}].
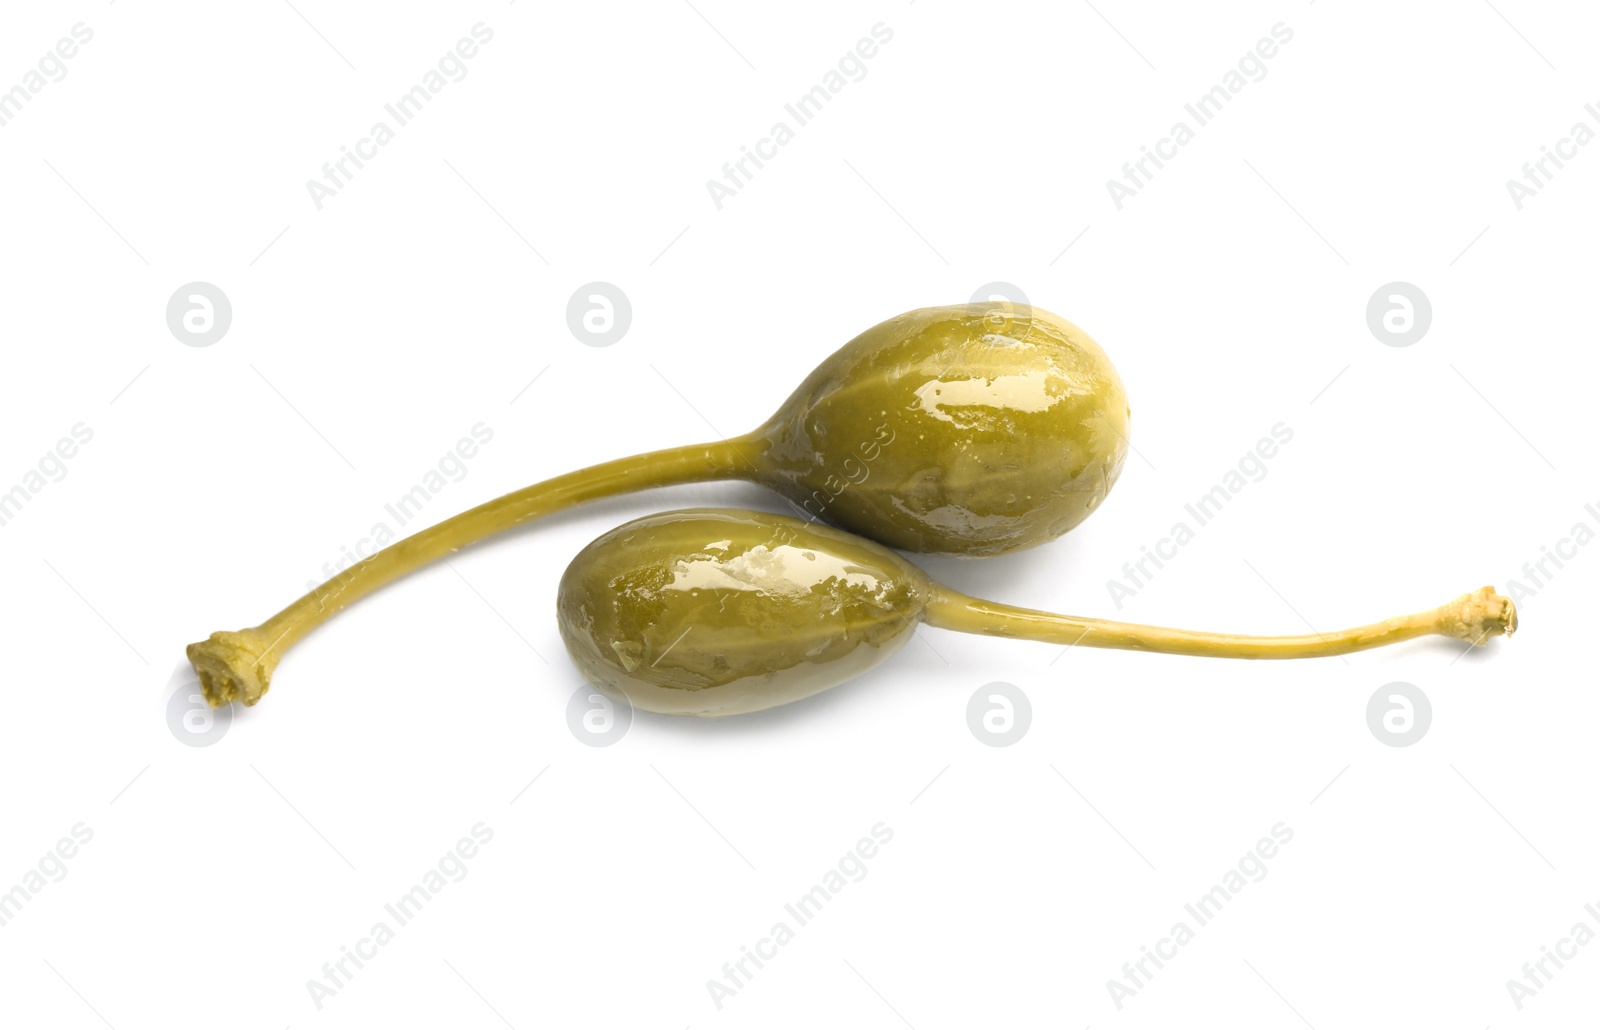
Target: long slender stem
[
  {"x": 1472, "y": 617},
  {"x": 237, "y": 665}
]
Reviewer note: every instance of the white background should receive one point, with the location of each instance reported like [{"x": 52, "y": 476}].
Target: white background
[{"x": 370, "y": 335}]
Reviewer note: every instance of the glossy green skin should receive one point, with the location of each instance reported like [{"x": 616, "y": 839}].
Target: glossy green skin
[
  {"x": 718, "y": 612},
  {"x": 968, "y": 430}
]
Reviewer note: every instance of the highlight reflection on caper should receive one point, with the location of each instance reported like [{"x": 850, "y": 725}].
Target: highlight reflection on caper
[
  {"x": 720, "y": 612},
  {"x": 966, "y": 430}
]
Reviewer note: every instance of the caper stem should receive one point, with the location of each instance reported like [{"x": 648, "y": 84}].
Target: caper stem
[
  {"x": 1471, "y": 617},
  {"x": 238, "y": 665}
]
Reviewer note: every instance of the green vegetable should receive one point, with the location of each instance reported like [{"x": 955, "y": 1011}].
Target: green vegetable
[
  {"x": 967, "y": 430},
  {"x": 721, "y": 612}
]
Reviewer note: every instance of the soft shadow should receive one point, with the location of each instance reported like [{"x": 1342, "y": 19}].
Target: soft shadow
[
  {"x": 1455, "y": 650},
  {"x": 818, "y": 710},
  {"x": 1032, "y": 571},
  {"x": 613, "y": 511}
]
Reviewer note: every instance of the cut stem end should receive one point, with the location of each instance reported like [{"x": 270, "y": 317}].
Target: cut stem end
[
  {"x": 1477, "y": 616},
  {"x": 232, "y": 667}
]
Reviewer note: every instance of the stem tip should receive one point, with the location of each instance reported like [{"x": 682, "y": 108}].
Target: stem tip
[
  {"x": 1477, "y": 616},
  {"x": 231, "y": 667}
]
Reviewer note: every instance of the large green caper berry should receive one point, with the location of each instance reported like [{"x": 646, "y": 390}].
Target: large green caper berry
[{"x": 966, "y": 430}]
